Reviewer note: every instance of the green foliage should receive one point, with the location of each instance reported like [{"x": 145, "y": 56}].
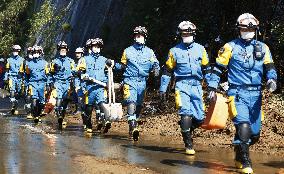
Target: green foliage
[
  {"x": 66, "y": 27},
  {"x": 39, "y": 20},
  {"x": 11, "y": 29},
  {"x": 45, "y": 28}
]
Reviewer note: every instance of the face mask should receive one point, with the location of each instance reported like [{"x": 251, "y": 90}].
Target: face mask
[
  {"x": 78, "y": 55},
  {"x": 247, "y": 35},
  {"x": 187, "y": 40},
  {"x": 30, "y": 56},
  {"x": 140, "y": 40},
  {"x": 62, "y": 54},
  {"x": 96, "y": 50},
  {"x": 15, "y": 53},
  {"x": 36, "y": 55}
]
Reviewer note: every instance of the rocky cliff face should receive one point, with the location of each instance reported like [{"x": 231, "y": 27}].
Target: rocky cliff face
[{"x": 87, "y": 19}]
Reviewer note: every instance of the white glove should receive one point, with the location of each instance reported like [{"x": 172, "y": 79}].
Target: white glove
[
  {"x": 271, "y": 85},
  {"x": 85, "y": 77}
]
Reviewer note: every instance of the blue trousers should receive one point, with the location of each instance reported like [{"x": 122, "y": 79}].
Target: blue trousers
[
  {"x": 189, "y": 101},
  {"x": 95, "y": 94},
  {"x": 62, "y": 89},
  {"x": 15, "y": 84},
  {"x": 245, "y": 107},
  {"x": 36, "y": 90},
  {"x": 133, "y": 92}
]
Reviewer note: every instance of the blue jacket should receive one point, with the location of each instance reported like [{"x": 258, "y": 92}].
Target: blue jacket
[
  {"x": 238, "y": 58},
  {"x": 15, "y": 65},
  {"x": 94, "y": 65},
  {"x": 37, "y": 69},
  {"x": 138, "y": 60},
  {"x": 66, "y": 71},
  {"x": 186, "y": 62}
]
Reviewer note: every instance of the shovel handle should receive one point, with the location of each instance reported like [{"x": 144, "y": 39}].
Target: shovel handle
[{"x": 98, "y": 82}]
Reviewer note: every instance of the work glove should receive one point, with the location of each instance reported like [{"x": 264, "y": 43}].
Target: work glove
[
  {"x": 110, "y": 63},
  {"x": 156, "y": 72},
  {"x": 118, "y": 86},
  {"x": 85, "y": 77},
  {"x": 56, "y": 67},
  {"x": 211, "y": 95},
  {"x": 77, "y": 88},
  {"x": 20, "y": 75},
  {"x": 48, "y": 88},
  {"x": 271, "y": 85}
]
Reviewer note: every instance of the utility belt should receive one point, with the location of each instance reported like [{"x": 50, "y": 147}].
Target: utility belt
[
  {"x": 246, "y": 87},
  {"x": 139, "y": 79},
  {"x": 65, "y": 81},
  {"x": 36, "y": 81},
  {"x": 13, "y": 75},
  {"x": 193, "y": 81}
]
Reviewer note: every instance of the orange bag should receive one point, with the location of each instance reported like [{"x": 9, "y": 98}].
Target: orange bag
[
  {"x": 49, "y": 106},
  {"x": 217, "y": 114}
]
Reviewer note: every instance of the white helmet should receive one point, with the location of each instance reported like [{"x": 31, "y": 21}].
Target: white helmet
[
  {"x": 186, "y": 27},
  {"x": 96, "y": 41},
  {"x": 79, "y": 50},
  {"x": 37, "y": 49},
  {"x": 247, "y": 20},
  {"x": 16, "y": 48},
  {"x": 140, "y": 30}
]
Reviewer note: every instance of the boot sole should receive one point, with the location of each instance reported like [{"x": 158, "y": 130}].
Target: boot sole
[
  {"x": 135, "y": 135},
  {"x": 99, "y": 127},
  {"x": 36, "y": 120},
  {"x": 246, "y": 171},
  {"x": 107, "y": 127},
  {"x": 60, "y": 121}
]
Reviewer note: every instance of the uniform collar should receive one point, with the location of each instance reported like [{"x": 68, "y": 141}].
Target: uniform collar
[
  {"x": 187, "y": 46},
  {"x": 95, "y": 55},
  {"x": 36, "y": 59},
  {"x": 138, "y": 46},
  {"x": 246, "y": 43},
  {"x": 62, "y": 58},
  {"x": 16, "y": 57}
]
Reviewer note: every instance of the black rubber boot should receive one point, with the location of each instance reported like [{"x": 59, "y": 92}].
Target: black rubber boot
[
  {"x": 245, "y": 159},
  {"x": 188, "y": 142},
  {"x": 99, "y": 120},
  {"x": 88, "y": 118},
  {"x": 105, "y": 117},
  {"x": 238, "y": 159},
  {"x": 35, "y": 110},
  {"x": 133, "y": 130}
]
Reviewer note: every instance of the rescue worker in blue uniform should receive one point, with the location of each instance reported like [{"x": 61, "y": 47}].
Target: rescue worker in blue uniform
[
  {"x": 15, "y": 71},
  {"x": 189, "y": 62},
  {"x": 37, "y": 71},
  {"x": 27, "y": 105},
  {"x": 62, "y": 69},
  {"x": 79, "y": 87},
  {"x": 247, "y": 60},
  {"x": 94, "y": 66},
  {"x": 137, "y": 62}
]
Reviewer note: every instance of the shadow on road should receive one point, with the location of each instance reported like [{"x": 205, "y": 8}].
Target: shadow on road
[
  {"x": 200, "y": 164},
  {"x": 161, "y": 149}
]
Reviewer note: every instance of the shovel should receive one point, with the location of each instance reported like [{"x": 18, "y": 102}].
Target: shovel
[{"x": 114, "y": 109}]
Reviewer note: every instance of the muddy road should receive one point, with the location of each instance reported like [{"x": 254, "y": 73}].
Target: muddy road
[{"x": 29, "y": 148}]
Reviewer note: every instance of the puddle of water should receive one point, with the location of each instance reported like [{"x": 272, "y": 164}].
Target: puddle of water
[{"x": 25, "y": 148}]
